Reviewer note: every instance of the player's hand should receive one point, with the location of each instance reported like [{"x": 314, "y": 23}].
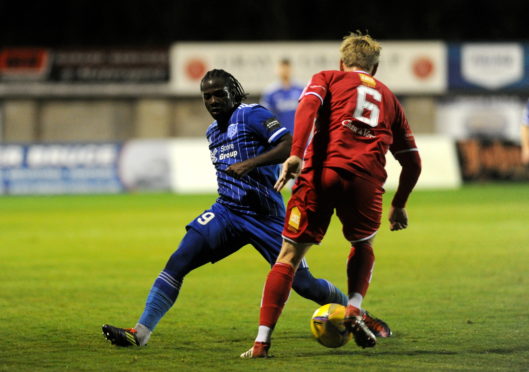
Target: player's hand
[
  {"x": 290, "y": 170},
  {"x": 240, "y": 169},
  {"x": 398, "y": 219}
]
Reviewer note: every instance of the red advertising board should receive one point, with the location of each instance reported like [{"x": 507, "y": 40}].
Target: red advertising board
[{"x": 23, "y": 64}]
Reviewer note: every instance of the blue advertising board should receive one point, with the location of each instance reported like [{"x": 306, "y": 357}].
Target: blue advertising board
[
  {"x": 60, "y": 168},
  {"x": 488, "y": 67}
]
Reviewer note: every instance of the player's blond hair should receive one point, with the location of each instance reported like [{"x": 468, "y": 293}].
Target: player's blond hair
[{"x": 358, "y": 50}]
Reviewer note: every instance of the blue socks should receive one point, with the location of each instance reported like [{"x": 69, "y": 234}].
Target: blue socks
[
  {"x": 320, "y": 291},
  {"x": 161, "y": 298},
  {"x": 335, "y": 295},
  {"x": 192, "y": 253}
]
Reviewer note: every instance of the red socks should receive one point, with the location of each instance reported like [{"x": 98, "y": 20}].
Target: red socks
[
  {"x": 360, "y": 268},
  {"x": 275, "y": 294}
]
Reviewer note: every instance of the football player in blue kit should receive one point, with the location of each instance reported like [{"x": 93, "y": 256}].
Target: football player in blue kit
[
  {"x": 282, "y": 97},
  {"x": 246, "y": 145}
]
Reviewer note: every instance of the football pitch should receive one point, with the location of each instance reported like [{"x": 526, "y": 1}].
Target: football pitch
[{"x": 454, "y": 287}]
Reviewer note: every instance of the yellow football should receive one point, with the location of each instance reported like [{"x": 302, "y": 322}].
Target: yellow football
[{"x": 327, "y": 326}]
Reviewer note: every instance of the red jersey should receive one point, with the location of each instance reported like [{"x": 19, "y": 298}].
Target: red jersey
[{"x": 358, "y": 121}]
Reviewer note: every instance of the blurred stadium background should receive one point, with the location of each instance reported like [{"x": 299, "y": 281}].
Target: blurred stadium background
[{"x": 104, "y": 97}]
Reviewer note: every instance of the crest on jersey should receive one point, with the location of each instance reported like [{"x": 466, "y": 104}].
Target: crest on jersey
[
  {"x": 232, "y": 130},
  {"x": 213, "y": 155}
]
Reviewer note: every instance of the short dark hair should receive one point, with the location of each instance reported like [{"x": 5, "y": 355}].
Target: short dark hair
[{"x": 234, "y": 86}]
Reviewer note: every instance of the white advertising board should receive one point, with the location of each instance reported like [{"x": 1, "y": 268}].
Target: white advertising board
[
  {"x": 440, "y": 166},
  {"x": 192, "y": 171},
  {"x": 406, "y": 67},
  {"x": 413, "y": 67},
  {"x": 191, "y": 168},
  {"x": 253, "y": 64},
  {"x": 146, "y": 165}
]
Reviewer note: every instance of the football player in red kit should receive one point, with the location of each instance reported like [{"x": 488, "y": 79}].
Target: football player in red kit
[{"x": 356, "y": 120}]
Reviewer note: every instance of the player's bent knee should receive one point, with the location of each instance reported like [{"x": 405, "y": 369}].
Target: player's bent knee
[
  {"x": 192, "y": 253},
  {"x": 292, "y": 253},
  {"x": 364, "y": 244}
]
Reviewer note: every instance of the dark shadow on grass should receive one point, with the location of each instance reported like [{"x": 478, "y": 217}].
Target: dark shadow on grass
[
  {"x": 380, "y": 350},
  {"x": 504, "y": 351},
  {"x": 379, "y": 353},
  {"x": 360, "y": 352}
]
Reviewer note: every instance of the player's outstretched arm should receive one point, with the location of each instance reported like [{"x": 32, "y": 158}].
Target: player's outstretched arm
[
  {"x": 276, "y": 155},
  {"x": 411, "y": 169},
  {"x": 291, "y": 169},
  {"x": 303, "y": 123}
]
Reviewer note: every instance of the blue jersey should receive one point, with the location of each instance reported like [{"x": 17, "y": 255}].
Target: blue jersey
[
  {"x": 283, "y": 103},
  {"x": 251, "y": 131}
]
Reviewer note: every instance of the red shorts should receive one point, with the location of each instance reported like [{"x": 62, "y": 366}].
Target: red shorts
[{"x": 315, "y": 196}]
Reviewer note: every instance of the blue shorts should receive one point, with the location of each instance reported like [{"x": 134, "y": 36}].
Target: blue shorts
[{"x": 226, "y": 232}]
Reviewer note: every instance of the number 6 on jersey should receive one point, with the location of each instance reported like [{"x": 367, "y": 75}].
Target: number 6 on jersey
[{"x": 363, "y": 105}]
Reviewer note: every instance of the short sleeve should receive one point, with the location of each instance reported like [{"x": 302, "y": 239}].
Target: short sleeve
[
  {"x": 317, "y": 86},
  {"x": 265, "y": 124}
]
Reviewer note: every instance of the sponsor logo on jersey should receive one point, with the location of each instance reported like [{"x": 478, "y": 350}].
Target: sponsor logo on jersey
[
  {"x": 363, "y": 132},
  {"x": 271, "y": 124},
  {"x": 226, "y": 151},
  {"x": 228, "y": 147},
  {"x": 367, "y": 80},
  {"x": 232, "y": 130},
  {"x": 231, "y": 154}
]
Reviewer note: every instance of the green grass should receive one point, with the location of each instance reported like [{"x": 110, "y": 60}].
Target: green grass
[{"x": 454, "y": 287}]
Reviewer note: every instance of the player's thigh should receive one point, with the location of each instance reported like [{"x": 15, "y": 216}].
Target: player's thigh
[
  {"x": 360, "y": 212},
  {"x": 192, "y": 252},
  {"x": 264, "y": 234},
  {"x": 217, "y": 227},
  {"x": 311, "y": 206}
]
